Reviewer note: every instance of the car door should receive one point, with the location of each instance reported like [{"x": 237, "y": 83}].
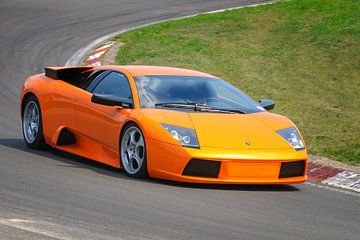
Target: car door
[
  {"x": 57, "y": 107},
  {"x": 98, "y": 126}
]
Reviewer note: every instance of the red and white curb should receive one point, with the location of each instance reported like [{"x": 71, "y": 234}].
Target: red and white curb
[
  {"x": 332, "y": 176},
  {"x": 94, "y": 58}
]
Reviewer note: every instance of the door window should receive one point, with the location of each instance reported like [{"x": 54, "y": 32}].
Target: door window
[{"x": 115, "y": 84}]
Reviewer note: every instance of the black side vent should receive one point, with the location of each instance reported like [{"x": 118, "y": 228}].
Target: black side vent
[
  {"x": 202, "y": 168},
  {"x": 292, "y": 169},
  {"x": 66, "y": 138}
]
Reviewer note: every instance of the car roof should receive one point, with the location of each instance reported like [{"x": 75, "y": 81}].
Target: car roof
[{"x": 156, "y": 70}]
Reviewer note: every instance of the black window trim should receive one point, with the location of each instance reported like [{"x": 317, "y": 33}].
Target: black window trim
[
  {"x": 97, "y": 80},
  {"x": 86, "y": 82}
]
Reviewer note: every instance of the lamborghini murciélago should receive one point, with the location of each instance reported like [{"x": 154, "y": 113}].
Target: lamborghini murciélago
[{"x": 162, "y": 122}]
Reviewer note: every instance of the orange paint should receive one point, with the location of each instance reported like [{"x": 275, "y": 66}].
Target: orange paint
[{"x": 222, "y": 137}]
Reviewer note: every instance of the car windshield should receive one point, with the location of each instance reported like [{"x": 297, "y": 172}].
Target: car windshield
[{"x": 167, "y": 91}]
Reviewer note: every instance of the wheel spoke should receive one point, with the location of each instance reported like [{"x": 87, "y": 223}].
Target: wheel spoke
[
  {"x": 29, "y": 132},
  {"x": 138, "y": 160},
  {"x": 127, "y": 160},
  {"x": 35, "y": 130},
  {"x": 33, "y": 113},
  {"x": 31, "y": 121},
  {"x": 37, "y": 118},
  {"x": 132, "y": 138},
  {"x": 33, "y": 125},
  {"x": 128, "y": 152},
  {"x": 140, "y": 143},
  {"x": 130, "y": 165}
]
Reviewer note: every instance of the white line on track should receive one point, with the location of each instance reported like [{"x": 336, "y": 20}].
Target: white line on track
[
  {"x": 26, "y": 225},
  {"x": 54, "y": 230},
  {"x": 330, "y": 188}
]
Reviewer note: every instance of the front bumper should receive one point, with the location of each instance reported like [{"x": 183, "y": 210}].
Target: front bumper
[{"x": 245, "y": 166}]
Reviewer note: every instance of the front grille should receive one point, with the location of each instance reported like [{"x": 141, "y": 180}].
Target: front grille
[
  {"x": 292, "y": 169},
  {"x": 202, "y": 168}
]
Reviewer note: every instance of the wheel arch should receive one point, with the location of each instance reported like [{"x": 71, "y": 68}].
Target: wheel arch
[
  {"x": 130, "y": 121},
  {"x": 24, "y": 99}
]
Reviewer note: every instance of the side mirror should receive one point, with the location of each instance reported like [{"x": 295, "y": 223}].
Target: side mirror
[
  {"x": 268, "y": 104},
  {"x": 110, "y": 100}
]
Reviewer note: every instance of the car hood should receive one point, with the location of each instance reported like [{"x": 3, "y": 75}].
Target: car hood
[
  {"x": 239, "y": 130},
  {"x": 256, "y": 130}
]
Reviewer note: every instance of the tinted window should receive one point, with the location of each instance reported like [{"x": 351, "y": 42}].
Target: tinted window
[
  {"x": 200, "y": 90},
  {"x": 89, "y": 77},
  {"x": 115, "y": 84}
]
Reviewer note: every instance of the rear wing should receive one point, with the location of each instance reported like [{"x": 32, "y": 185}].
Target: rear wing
[{"x": 71, "y": 75}]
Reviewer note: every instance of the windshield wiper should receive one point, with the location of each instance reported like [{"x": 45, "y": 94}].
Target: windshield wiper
[
  {"x": 187, "y": 105},
  {"x": 197, "y": 107},
  {"x": 227, "y": 110}
]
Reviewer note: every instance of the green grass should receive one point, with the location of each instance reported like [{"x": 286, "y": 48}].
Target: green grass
[{"x": 305, "y": 54}]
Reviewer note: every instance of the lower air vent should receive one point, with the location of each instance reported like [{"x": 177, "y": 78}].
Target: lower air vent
[
  {"x": 66, "y": 138},
  {"x": 202, "y": 168},
  {"x": 292, "y": 169}
]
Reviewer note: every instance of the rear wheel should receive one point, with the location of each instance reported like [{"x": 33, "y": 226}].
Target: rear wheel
[
  {"x": 32, "y": 124},
  {"x": 133, "y": 151}
]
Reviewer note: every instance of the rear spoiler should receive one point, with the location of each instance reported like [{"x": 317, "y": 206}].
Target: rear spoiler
[{"x": 67, "y": 74}]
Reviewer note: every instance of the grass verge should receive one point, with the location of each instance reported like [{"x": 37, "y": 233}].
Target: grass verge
[{"x": 303, "y": 54}]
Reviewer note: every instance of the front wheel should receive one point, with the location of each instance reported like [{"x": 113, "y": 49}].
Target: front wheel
[{"x": 133, "y": 152}]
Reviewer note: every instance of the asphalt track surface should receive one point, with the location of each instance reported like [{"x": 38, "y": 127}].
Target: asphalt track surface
[{"x": 53, "y": 195}]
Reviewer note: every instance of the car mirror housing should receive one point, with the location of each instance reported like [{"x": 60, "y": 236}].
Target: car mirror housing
[
  {"x": 268, "y": 104},
  {"x": 110, "y": 100}
]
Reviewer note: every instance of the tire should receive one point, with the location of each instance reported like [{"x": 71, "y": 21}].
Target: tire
[
  {"x": 133, "y": 151},
  {"x": 32, "y": 126}
]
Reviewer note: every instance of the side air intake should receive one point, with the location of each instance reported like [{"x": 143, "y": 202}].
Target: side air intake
[{"x": 66, "y": 138}]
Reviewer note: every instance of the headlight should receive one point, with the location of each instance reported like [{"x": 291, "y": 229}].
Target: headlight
[
  {"x": 185, "y": 136},
  {"x": 292, "y": 137}
]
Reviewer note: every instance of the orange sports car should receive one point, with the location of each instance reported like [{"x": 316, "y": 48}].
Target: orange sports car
[{"x": 162, "y": 122}]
